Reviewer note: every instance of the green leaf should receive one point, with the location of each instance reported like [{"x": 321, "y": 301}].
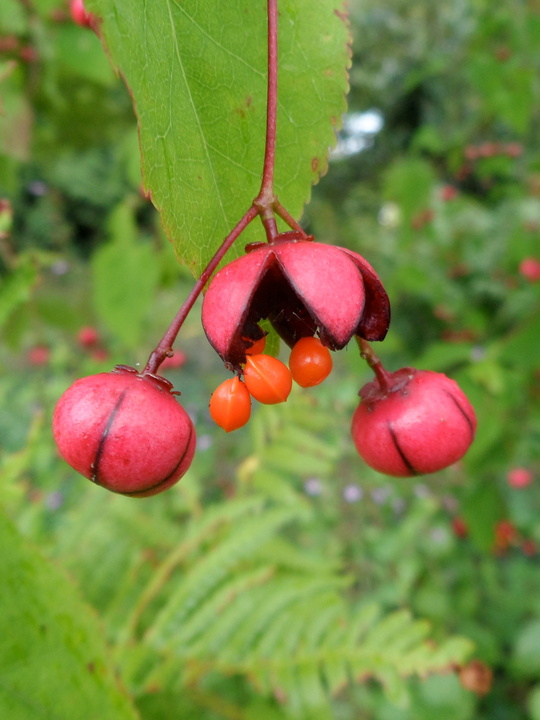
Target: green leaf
[
  {"x": 198, "y": 81},
  {"x": 53, "y": 660}
]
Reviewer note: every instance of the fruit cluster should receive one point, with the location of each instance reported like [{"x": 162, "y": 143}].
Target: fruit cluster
[
  {"x": 125, "y": 430},
  {"x": 304, "y": 289},
  {"x": 268, "y": 380}
]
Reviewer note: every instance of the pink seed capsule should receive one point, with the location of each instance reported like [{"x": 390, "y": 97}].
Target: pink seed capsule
[
  {"x": 125, "y": 431},
  {"x": 303, "y": 288},
  {"x": 421, "y": 423}
]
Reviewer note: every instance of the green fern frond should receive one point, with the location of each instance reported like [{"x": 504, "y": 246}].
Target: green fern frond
[
  {"x": 274, "y": 485},
  {"x": 292, "y": 638},
  {"x": 277, "y": 598},
  {"x": 252, "y": 586},
  {"x": 296, "y": 638},
  {"x": 288, "y": 556},
  {"x": 220, "y": 515},
  {"x": 212, "y": 568},
  {"x": 282, "y": 457},
  {"x": 296, "y": 451},
  {"x": 216, "y": 603}
]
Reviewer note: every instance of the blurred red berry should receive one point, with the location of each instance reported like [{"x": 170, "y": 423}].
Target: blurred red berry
[
  {"x": 529, "y": 268},
  {"x": 519, "y": 477},
  {"x": 529, "y": 548},
  {"x": 28, "y": 54},
  {"x": 100, "y": 354},
  {"x": 488, "y": 149},
  {"x": 505, "y": 535},
  {"x": 513, "y": 149},
  {"x": 39, "y": 355},
  {"x": 8, "y": 43},
  {"x": 459, "y": 526},
  {"x": 88, "y": 336},
  {"x": 448, "y": 193}
]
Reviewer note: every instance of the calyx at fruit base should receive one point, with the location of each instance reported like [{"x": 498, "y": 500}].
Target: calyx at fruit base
[{"x": 303, "y": 287}]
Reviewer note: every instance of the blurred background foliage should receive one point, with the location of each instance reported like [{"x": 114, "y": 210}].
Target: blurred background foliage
[{"x": 282, "y": 575}]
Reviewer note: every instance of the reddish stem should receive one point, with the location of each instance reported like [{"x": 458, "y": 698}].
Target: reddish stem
[
  {"x": 265, "y": 204},
  {"x": 164, "y": 348},
  {"x": 367, "y": 354},
  {"x": 287, "y": 217},
  {"x": 265, "y": 199},
  {"x": 271, "y": 101}
]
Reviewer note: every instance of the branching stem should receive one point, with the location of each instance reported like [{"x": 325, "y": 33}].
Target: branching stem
[
  {"x": 266, "y": 205},
  {"x": 164, "y": 350}
]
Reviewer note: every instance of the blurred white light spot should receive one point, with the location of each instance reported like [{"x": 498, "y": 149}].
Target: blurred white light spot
[
  {"x": 389, "y": 215},
  {"x": 357, "y": 134},
  {"x": 367, "y": 123}
]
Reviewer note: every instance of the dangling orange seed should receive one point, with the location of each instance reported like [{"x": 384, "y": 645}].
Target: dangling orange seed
[
  {"x": 268, "y": 379},
  {"x": 310, "y": 362},
  {"x": 230, "y": 404}
]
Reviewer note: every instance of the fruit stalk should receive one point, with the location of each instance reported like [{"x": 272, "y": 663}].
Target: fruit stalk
[
  {"x": 164, "y": 348},
  {"x": 367, "y": 354},
  {"x": 262, "y": 205},
  {"x": 265, "y": 199}
]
